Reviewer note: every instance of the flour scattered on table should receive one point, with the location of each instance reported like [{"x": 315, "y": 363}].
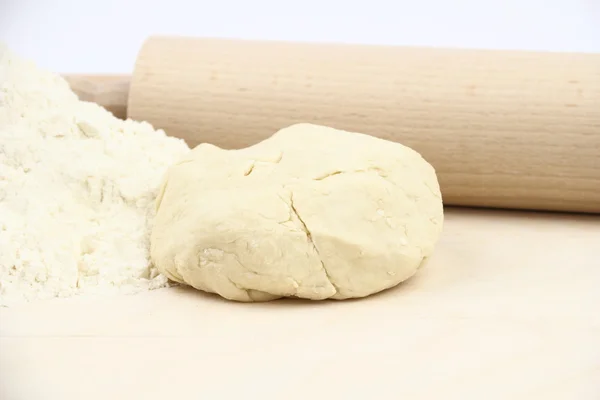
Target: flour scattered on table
[{"x": 77, "y": 190}]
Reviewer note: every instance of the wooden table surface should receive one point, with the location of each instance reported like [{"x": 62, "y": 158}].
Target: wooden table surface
[{"x": 508, "y": 308}]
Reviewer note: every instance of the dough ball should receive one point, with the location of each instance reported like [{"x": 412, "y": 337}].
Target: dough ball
[{"x": 311, "y": 212}]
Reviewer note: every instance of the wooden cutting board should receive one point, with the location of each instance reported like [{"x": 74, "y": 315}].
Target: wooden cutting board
[{"x": 508, "y": 308}]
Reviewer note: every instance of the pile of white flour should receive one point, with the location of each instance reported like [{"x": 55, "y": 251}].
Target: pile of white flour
[{"x": 77, "y": 190}]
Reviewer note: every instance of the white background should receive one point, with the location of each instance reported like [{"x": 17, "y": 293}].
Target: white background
[{"x": 104, "y": 36}]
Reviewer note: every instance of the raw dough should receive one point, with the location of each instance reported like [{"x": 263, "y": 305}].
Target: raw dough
[{"x": 312, "y": 212}]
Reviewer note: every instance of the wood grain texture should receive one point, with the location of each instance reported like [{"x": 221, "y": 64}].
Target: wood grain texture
[
  {"x": 503, "y": 129},
  {"x": 507, "y": 308},
  {"x": 110, "y": 91}
]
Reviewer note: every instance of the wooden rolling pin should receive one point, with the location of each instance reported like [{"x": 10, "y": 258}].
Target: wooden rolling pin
[
  {"x": 110, "y": 91},
  {"x": 503, "y": 129}
]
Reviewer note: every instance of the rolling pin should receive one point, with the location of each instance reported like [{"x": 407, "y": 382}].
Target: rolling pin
[
  {"x": 503, "y": 129},
  {"x": 110, "y": 91}
]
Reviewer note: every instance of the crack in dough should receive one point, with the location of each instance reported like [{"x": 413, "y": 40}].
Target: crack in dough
[
  {"x": 309, "y": 237},
  {"x": 378, "y": 171}
]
